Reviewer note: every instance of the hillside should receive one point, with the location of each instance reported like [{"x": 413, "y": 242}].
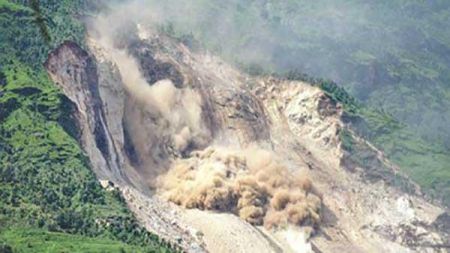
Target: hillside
[
  {"x": 393, "y": 56},
  {"x": 50, "y": 198},
  {"x": 221, "y": 161},
  {"x": 149, "y": 126}
]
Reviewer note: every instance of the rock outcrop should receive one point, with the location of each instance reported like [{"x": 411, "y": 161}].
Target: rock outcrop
[{"x": 75, "y": 72}]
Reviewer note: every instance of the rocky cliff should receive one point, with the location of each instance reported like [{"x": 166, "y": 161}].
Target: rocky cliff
[{"x": 148, "y": 103}]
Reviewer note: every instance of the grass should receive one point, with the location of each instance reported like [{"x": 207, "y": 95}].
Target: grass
[{"x": 29, "y": 240}]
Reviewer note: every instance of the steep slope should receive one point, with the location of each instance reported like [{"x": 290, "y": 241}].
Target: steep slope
[
  {"x": 353, "y": 196},
  {"x": 153, "y": 104}
]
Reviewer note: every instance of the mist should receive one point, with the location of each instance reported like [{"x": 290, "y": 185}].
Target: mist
[{"x": 372, "y": 48}]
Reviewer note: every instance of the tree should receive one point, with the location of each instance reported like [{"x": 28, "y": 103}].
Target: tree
[
  {"x": 40, "y": 21},
  {"x": 5, "y": 248}
]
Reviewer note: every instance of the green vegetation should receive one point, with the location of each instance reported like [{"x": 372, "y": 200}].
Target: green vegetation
[
  {"x": 22, "y": 38},
  {"x": 50, "y": 200},
  {"x": 38, "y": 240}
]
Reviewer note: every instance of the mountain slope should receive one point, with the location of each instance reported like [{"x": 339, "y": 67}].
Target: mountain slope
[
  {"x": 50, "y": 199},
  {"x": 193, "y": 150},
  {"x": 391, "y": 55},
  {"x": 163, "y": 106}
]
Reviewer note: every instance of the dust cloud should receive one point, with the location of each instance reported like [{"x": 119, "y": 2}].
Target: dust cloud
[
  {"x": 167, "y": 120},
  {"x": 250, "y": 183}
]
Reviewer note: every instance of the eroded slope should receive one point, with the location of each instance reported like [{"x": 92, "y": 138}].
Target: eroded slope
[{"x": 158, "y": 103}]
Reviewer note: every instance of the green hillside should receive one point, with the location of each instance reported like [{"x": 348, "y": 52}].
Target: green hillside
[{"x": 50, "y": 200}]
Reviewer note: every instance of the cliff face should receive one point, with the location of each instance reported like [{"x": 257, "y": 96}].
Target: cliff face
[
  {"x": 76, "y": 73},
  {"x": 190, "y": 101}
]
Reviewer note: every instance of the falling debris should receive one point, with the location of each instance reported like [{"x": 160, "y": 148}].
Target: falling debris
[{"x": 250, "y": 183}]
